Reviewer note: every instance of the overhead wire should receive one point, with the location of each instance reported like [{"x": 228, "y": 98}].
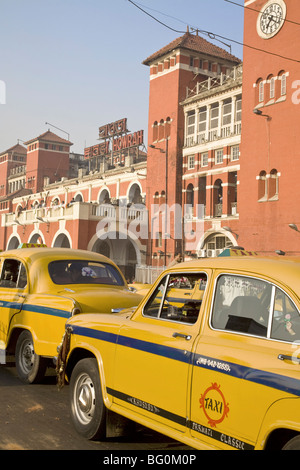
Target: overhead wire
[
  {"x": 208, "y": 33},
  {"x": 287, "y": 20},
  {"x": 215, "y": 36}
]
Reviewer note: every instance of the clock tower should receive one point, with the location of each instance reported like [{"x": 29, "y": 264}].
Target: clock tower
[
  {"x": 269, "y": 190},
  {"x": 271, "y": 18}
]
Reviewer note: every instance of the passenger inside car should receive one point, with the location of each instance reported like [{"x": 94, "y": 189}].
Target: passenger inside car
[
  {"x": 59, "y": 273},
  {"x": 9, "y": 275},
  {"x": 84, "y": 272},
  {"x": 75, "y": 272},
  {"x": 242, "y": 304}
]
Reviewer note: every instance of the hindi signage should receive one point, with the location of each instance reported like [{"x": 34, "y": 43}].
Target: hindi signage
[{"x": 116, "y": 134}]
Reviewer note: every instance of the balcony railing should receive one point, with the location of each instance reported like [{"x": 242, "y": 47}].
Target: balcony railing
[
  {"x": 235, "y": 75},
  {"x": 78, "y": 210},
  {"x": 222, "y": 132}
]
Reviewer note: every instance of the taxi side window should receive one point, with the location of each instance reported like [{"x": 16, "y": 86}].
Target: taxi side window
[
  {"x": 286, "y": 318},
  {"x": 13, "y": 274},
  {"x": 242, "y": 304},
  {"x": 178, "y": 298}
]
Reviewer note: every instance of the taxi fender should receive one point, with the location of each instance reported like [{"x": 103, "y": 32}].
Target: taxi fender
[
  {"x": 81, "y": 351},
  {"x": 45, "y": 317},
  {"x": 283, "y": 414}
]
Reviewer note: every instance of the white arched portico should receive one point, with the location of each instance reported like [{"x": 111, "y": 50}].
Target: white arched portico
[
  {"x": 134, "y": 193},
  {"x": 62, "y": 239},
  {"x": 13, "y": 242},
  {"x": 213, "y": 242},
  {"x": 36, "y": 236},
  {"x": 123, "y": 247},
  {"x": 104, "y": 195}
]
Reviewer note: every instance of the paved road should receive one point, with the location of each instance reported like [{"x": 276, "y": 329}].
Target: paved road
[{"x": 36, "y": 417}]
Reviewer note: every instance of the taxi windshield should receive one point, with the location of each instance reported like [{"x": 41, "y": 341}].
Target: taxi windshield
[{"x": 84, "y": 272}]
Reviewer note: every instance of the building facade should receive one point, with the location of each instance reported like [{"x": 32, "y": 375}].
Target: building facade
[
  {"x": 64, "y": 200},
  {"x": 211, "y": 161},
  {"x": 176, "y": 70},
  {"x": 270, "y": 164}
]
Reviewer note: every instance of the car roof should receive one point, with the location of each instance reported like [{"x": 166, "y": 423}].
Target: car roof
[
  {"x": 38, "y": 258},
  {"x": 283, "y": 270},
  {"x": 34, "y": 254}
]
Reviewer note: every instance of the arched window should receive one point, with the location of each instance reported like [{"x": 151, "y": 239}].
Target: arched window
[
  {"x": 168, "y": 127},
  {"x": 218, "y": 198},
  {"x": 261, "y": 91},
  {"x": 215, "y": 244},
  {"x": 273, "y": 185},
  {"x": 190, "y": 195},
  {"x": 190, "y": 199},
  {"x": 271, "y": 85},
  {"x": 78, "y": 198},
  {"x": 155, "y": 131},
  {"x": 134, "y": 196},
  {"x": 161, "y": 130},
  {"x": 262, "y": 186},
  {"x": 283, "y": 84},
  {"x": 104, "y": 197},
  {"x": 281, "y": 91}
]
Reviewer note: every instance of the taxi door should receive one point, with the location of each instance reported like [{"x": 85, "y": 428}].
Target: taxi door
[
  {"x": 238, "y": 371},
  {"x": 13, "y": 288},
  {"x": 154, "y": 352}
]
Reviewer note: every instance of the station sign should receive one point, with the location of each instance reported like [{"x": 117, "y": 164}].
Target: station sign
[{"x": 116, "y": 138}]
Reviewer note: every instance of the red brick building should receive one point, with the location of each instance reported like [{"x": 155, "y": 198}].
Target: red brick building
[
  {"x": 177, "y": 67},
  {"x": 211, "y": 162},
  {"x": 52, "y": 196},
  {"x": 269, "y": 191},
  {"x": 47, "y": 160}
]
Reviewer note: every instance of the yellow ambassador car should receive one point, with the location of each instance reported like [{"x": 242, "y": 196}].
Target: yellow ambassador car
[
  {"x": 40, "y": 288},
  {"x": 210, "y": 357}
]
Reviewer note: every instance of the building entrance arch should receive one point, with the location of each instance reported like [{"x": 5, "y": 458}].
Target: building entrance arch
[
  {"x": 214, "y": 243},
  {"x": 36, "y": 238},
  {"x": 13, "y": 243},
  {"x": 123, "y": 251},
  {"x": 61, "y": 241}
]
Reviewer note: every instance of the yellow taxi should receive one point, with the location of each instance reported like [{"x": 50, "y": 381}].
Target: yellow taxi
[
  {"x": 40, "y": 288},
  {"x": 210, "y": 357}
]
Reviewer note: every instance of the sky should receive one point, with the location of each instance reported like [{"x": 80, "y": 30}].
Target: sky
[{"x": 77, "y": 64}]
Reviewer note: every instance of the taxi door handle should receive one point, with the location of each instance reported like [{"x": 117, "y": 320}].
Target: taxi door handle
[
  {"x": 284, "y": 357},
  {"x": 181, "y": 335}
]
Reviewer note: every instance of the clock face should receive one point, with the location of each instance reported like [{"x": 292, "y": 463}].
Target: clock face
[{"x": 271, "y": 19}]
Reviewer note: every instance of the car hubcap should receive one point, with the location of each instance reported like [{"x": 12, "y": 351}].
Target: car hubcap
[
  {"x": 27, "y": 356},
  {"x": 84, "y": 399}
]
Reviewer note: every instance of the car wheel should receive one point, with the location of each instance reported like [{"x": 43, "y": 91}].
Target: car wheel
[
  {"x": 293, "y": 444},
  {"x": 87, "y": 408},
  {"x": 31, "y": 368}
]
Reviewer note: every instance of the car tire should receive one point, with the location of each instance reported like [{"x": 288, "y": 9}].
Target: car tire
[
  {"x": 292, "y": 444},
  {"x": 31, "y": 368},
  {"x": 88, "y": 411}
]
